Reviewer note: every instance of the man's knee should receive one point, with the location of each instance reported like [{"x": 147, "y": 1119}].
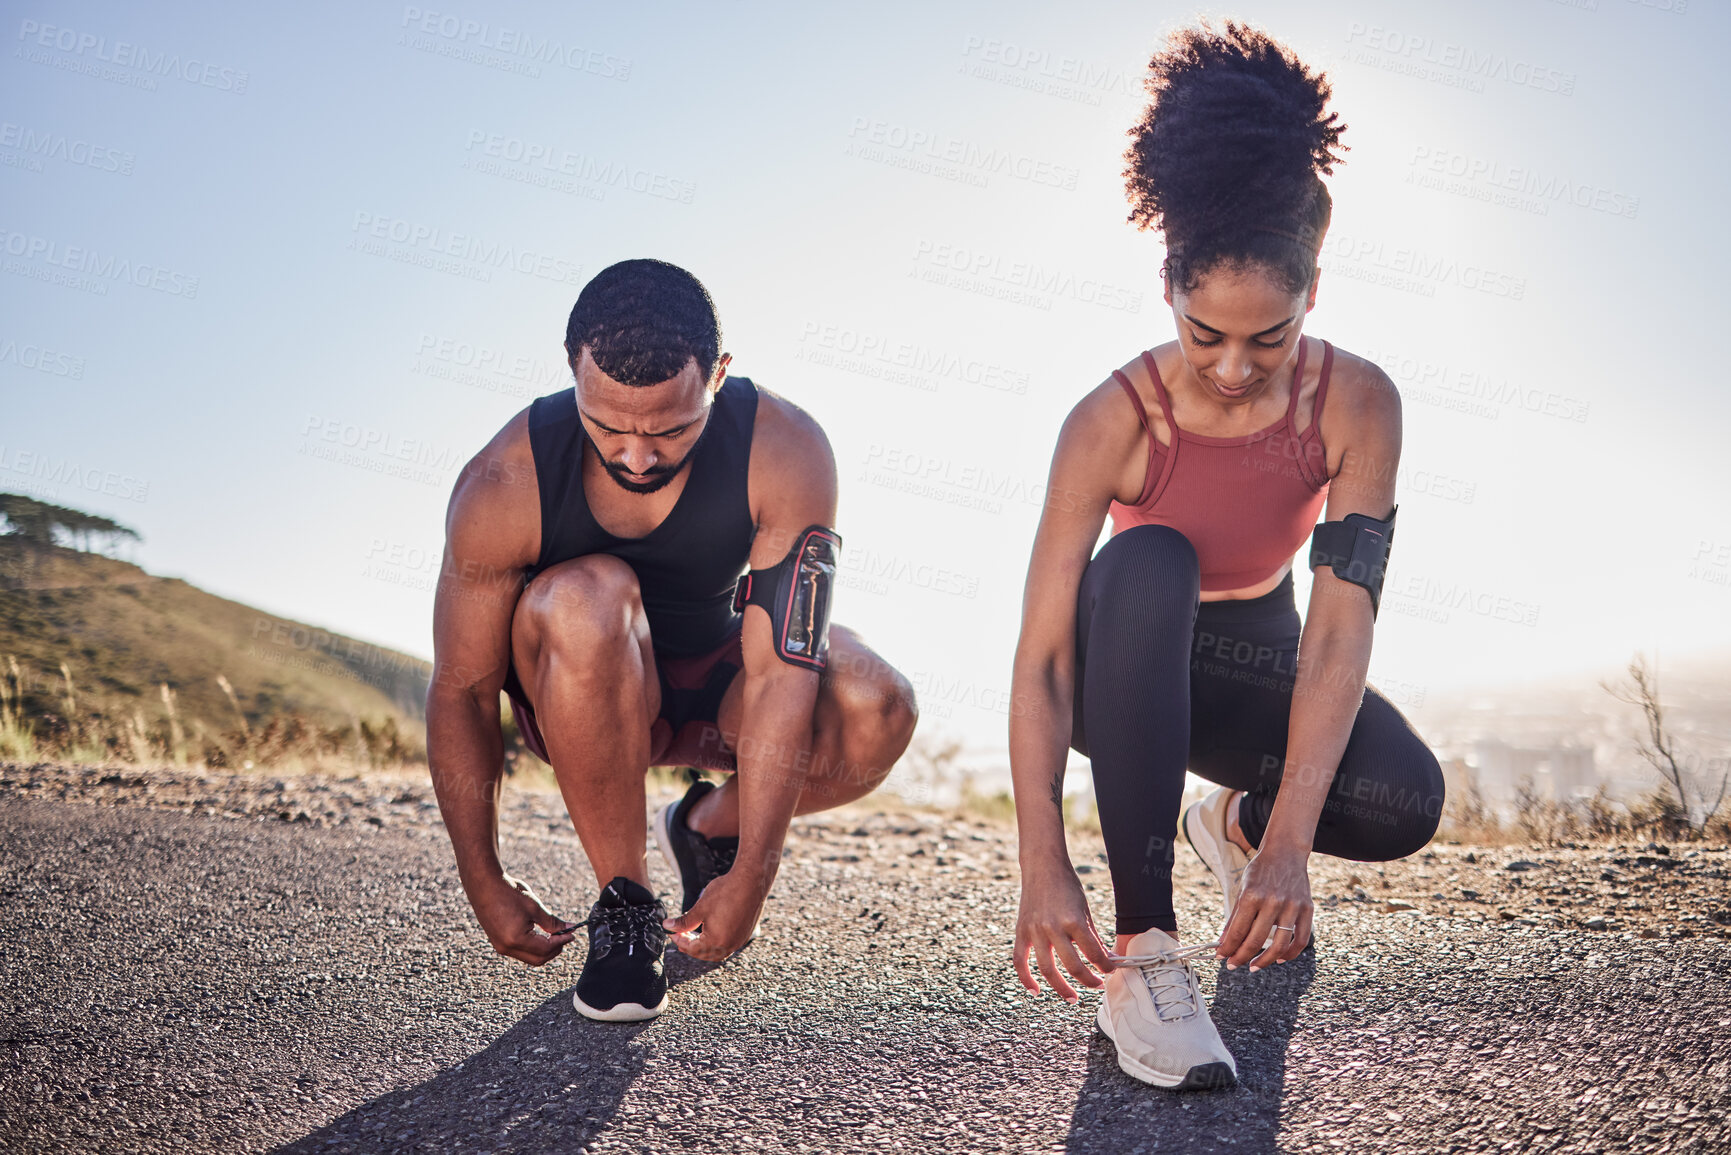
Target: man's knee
[
  {"x": 588, "y": 601},
  {"x": 894, "y": 719},
  {"x": 876, "y": 719}
]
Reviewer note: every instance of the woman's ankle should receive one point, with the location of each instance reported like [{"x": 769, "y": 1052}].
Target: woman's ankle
[
  {"x": 1235, "y": 832},
  {"x": 1121, "y": 944}
]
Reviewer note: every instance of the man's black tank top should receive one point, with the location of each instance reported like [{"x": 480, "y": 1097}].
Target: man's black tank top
[{"x": 687, "y": 565}]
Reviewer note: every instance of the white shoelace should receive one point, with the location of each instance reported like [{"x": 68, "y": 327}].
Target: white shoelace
[{"x": 1179, "y": 978}]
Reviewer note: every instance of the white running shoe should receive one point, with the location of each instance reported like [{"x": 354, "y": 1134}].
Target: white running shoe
[
  {"x": 1205, "y": 830},
  {"x": 1153, "y": 1012}
]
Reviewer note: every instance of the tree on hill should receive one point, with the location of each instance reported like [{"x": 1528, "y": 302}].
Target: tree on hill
[{"x": 37, "y": 522}]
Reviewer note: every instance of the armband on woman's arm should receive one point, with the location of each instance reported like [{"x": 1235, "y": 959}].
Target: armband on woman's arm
[{"x": 1356, "y": 548}]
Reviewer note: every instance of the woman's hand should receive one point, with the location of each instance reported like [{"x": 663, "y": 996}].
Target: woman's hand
[
  {"x": 1276, "y": 893},
  {"x": 1054, "y": 921}
]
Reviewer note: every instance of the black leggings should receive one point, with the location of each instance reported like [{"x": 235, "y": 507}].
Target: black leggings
[{"x": 1166, "y": 681}]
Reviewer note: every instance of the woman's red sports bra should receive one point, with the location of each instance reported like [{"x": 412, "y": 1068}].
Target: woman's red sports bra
[{"x": 1246, "y": 503}]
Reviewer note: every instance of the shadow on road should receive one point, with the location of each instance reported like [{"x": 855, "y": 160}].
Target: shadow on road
[
  {"x": 549, "y": 1083},
  {"x": 1255, "y": 1015}
]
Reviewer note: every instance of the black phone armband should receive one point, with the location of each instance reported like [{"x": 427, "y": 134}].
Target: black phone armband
[
  {"x": 1356, "y": 549},
  {"x": 795, "y": 593}
]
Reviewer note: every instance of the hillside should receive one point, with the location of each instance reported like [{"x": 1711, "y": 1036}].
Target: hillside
[{"x": 123, "y": 632}]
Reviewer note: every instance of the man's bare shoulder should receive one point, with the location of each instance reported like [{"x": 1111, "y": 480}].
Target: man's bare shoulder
[
  {"x": 788, "y": 445},
  {"x": 496, "y": 502}
]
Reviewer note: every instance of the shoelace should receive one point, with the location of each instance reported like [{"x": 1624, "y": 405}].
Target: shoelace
[
  {"x": 634, "y": 924},
  {"x": 1183, "y": 981}
]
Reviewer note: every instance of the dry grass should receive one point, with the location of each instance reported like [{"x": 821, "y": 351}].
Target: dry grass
[
  {"x": 75, "y": 732},
  {"x": 1654, "y": 817}
]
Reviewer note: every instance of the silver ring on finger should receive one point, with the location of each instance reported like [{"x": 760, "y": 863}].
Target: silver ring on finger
[{"x": 1293, "y": 929}]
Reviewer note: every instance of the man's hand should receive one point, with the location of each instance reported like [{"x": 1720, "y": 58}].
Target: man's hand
[
  {"x": 723, "y": 919},
  {"x": 517, "y": 924},
  {"x": 1276, "y": 893}
]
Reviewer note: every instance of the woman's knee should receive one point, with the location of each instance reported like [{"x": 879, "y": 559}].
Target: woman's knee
[
  {"x": 1143, "y": 545},
  {"x": 1424, "y": 824},
  {"x": 1394, "y": 814},
  {"x": 1145, "y": 565}
]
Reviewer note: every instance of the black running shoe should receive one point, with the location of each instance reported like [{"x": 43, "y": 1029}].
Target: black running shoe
[
  {"x": 623, "y": 978},
  {"x": 698, "y": 861}
]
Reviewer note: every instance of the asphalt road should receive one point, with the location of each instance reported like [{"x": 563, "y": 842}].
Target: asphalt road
[{"x": 182, "y": 979}]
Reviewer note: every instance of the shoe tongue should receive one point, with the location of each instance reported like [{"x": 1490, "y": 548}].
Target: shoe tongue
[
  {"x": 624, "y": 892},
  {"x": 1153, "y": 941}
]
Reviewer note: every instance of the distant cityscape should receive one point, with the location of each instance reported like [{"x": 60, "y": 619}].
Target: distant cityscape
[{"x": 1566, "y": 741}]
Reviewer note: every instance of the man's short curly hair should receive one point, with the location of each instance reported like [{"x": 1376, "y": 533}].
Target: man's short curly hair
[
  {"x": 1227, "y": 158},
  {"x": 642, "y": 320}
]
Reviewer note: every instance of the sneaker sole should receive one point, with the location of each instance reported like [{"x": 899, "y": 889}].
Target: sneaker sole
[
  {"x": 622, "y": 1013},
  {"x": 664, "y": 840},
  {"x": 1203, "y": 1077}
]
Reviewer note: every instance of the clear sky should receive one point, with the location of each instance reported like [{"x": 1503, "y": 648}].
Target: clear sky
[{"x": 272, "y": 274}]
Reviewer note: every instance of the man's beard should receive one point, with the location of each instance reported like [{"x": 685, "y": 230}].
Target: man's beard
[{"x": 659, "y": 477}]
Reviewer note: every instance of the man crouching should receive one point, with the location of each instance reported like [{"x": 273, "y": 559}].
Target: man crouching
[{"x": 593, "y": 571}]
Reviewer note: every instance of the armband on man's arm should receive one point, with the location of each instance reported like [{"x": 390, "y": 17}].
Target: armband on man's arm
[
  {"x": 1356, "y": 548},
  {"x": 795, "y": 592}
]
